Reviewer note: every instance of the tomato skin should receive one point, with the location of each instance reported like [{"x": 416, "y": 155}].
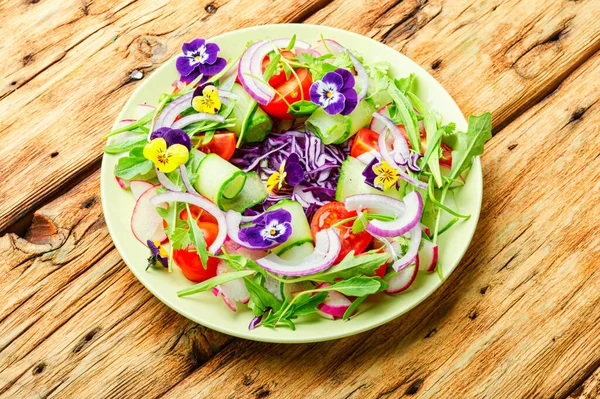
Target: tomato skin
[
  {"x": 290, "y": 90},
  {"x": 278, "y": 78},
  {"x": 222, "y": 144},
  {"x": 364, "y": 141},
  {"x": 189, "y": 261},
  {"x": 381, "y": 271},
  {"x": 330, "y": 214}
]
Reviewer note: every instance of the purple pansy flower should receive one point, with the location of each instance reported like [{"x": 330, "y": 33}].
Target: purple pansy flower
[
  {"x": 172, "y": 136},
  {"x": 335, "y": 92},
  {"x": 273, "y": 227},
  {"x": 199, "y": 58},
  {"x": 157, "y": 254},
  {"x": 294, "y": 174}
]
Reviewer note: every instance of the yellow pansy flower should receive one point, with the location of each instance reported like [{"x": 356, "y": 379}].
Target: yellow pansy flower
[
  {"x": 209, "y": 102},
  {"x": 386, "y": 175},
  {"x": 166, "y": 159},
  {"x": 277, "y": 178}
]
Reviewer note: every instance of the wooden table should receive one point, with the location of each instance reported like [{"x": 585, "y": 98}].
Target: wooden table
[{"x": 520, "y": 316}]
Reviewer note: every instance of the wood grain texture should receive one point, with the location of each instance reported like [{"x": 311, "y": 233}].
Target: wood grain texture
[
  {"x": 60, "y": 94},
  {"x": 519, "y": 318},
  {"x": 590, "y": 389},
  {"x": 73, "y": 315}
]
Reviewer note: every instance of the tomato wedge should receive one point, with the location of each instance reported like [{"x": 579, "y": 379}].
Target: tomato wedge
[
  {"x": 333, "y": 212},
  {"x": 277, "y": 78},
  {"x": 364, "y": 141},
  {"x": 222, "y": 144},
  {"x": 189, "y": 261},
  {"x": 290, "y": 90}
]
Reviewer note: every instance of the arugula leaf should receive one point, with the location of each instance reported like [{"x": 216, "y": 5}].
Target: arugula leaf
[
  {"x": 273, "y": 67},
  {"x": 360, "y": 224},
  {"x": 292, "y": 43},
  {"x": 470, "y": 144},
  {"x": 355, "y": 304},
  {"x": 357, "y": 286},
  {"x": 308, "y": 304},
  {"x": 126, "y": 144},
  {"x": 144, "y": 120},
  {"x": 302, "y": 108},
  {"x": 197, "y": 238},
  {"x": 261, "y": 298},
  {"x": 351, "y": 266},
  {"x": 213, "y": 282},
  {"x": 303, "y": 304},
  {"x": 133, "y": 165},
  {"x": 407, "y": 116}
]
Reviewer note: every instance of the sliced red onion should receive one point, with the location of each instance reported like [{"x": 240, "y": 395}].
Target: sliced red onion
[
  {"x": 233, "y": 220},
  {"x": 227, "y": 94},
  {"x": 168, "y": 184},
  {"x": 361, "y": 72},
  {"x": 375, "y": 203},
  {"x": 367, "y": 157},
  {"x": 396, "y": 133},
  {"x": 128, "y": 121},
  {"x": 254, "y": 322},
  {"x": 405, "y": 222},
  {"x": 413, "y": 249},
  {"x": 169, "y": 113},
  {"x": 250, "y": 67},
  {"x": 376, "y": 125},
  {"x": 327, "y": 248},
  {"x": 199, "y": 117},
  {"x": 390, "y": 159},
  {"x": 335, "y": 304},
  {"x": 404, "y": 279},
  {"x": 203, "y": 203},
  {"x": 186, "y": 180},
  {"x": 391, "y": 247}
]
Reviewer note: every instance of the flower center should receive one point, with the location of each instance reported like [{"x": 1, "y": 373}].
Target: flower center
[
  {"x": 329, "y": 94},
  {"x": 273, "y": 232}
]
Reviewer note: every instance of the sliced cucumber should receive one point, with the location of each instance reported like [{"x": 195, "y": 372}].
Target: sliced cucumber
[
  {"x": 254, "y": 192},
  {"x": 352, "y": 182},
  {"x": 258, "y": 123},
  {"x": 300, "y": 228},
  {"x": 298, "y": 251},
  {"x": 219, "y": 179},
  {"x": 335, "y": 129}
]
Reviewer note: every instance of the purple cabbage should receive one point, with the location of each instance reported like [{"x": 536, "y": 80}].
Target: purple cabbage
[{"x": 320, "y": 162}]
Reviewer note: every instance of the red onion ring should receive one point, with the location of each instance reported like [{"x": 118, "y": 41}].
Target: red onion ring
[
  {"x": 168, "y": 184},
  {"x": 186, "y": 180}
]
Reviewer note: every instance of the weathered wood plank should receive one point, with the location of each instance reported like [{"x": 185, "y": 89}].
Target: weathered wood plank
[
  {"x": 518, "y": 318},
  {"x": 590, "y": 389},
  {"x": 501, "y": 56},
  {"x": 70, "y": 306},
  {"x": 68, "y": 74}
]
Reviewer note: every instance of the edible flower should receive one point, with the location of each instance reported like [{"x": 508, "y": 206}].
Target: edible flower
[
  {"x": 206, "y": 99},
  {"x": 335, "y": 92},
  {"x": 273, "y": 227},
  {"x": 166, "y": 158},
  {"x": 290, "y": 173},
  {"x": 380, "y": 174},
  {"x": 199, "y": 58},
  {"x": 157, "y": 254},
  {"x": 172, "y": 136}
]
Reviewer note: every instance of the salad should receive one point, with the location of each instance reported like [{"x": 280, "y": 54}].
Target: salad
[{"x": 296, "y": 178}]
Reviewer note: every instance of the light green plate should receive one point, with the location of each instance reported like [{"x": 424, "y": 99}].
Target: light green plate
[{"x": 212, "y": 312}]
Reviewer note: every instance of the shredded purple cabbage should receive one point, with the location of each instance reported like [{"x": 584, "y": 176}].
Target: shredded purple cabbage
[{"x": 320, "y": 162}]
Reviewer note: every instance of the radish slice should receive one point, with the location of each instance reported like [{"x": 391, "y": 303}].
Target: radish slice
[
  {"x": 146, "y": 223},
  {"x": 413, "y": 250},
  {"x": 335, "y": 304},
  {"x": 404, "y": 279},
  {"x": 168, "y": 184},
  {"x": 428, "y": 256},
  {"x": 326, "y": 250},
  {"x": 122, "y": 183},
  {"x": 405, "y": 222},
  {"x": 250, "y": 68},
  {"x": 203, "y": 203},
  {"x": 231, "y": 305},
  {"x": 234, "y": 290},
  {"x": 426, "y": 229},
  {"x": 139, "y": 187},
  {"x": 361, "y": 72}
]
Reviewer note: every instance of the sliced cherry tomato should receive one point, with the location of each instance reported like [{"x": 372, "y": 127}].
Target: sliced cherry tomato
[
  {"x": 333, "y": 212},
  {"x": 189, "y": 260},
  {"x": 290, "y": 90},
  {"x": 222, "y": 144},
  {"x": 364, "y": 141},
  {"x": 277, "y": 78},
  {"x": 381, "y": 271}
]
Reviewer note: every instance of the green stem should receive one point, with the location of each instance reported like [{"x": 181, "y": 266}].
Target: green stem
[
  {"x": 448, "y": 225},
  {"x": 440, "y": 204}
]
